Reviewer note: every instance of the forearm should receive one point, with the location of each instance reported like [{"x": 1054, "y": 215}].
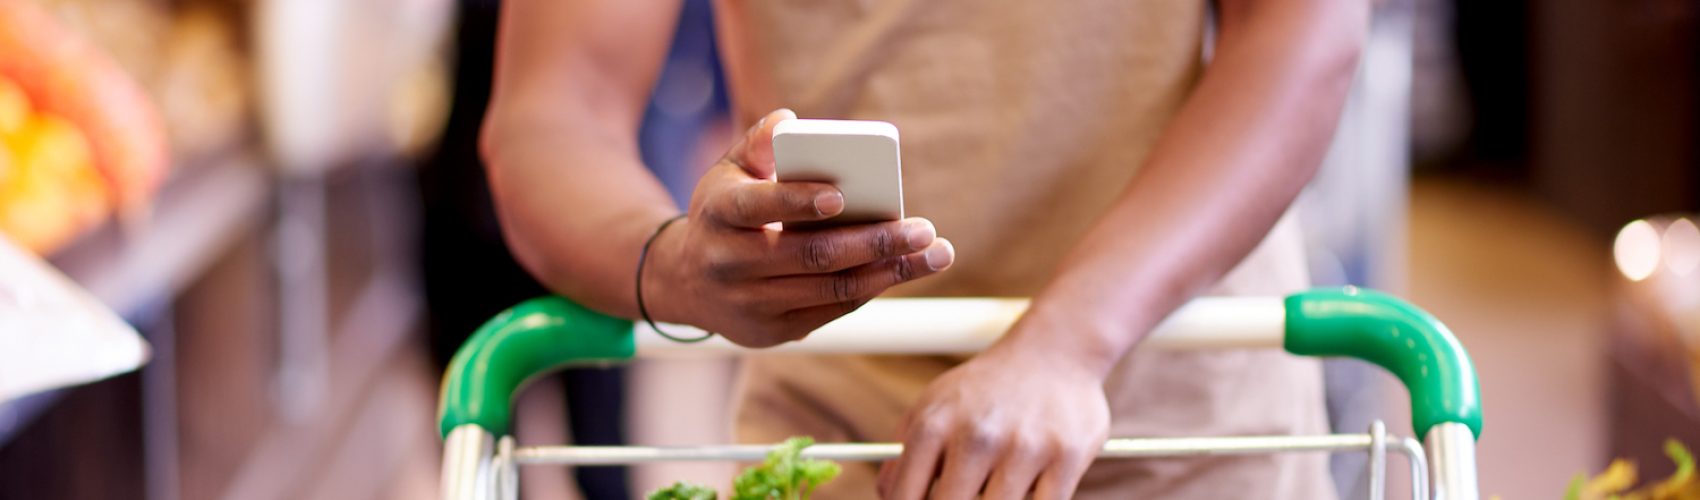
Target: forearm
[
  {"x": 575, "y": 208},
  {"x": 560, "y": 141},
  {"x": 1230, "y": 162}
]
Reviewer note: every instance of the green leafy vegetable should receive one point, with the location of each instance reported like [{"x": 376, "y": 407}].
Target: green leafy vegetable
[
  {"x": 784, "y": 475},
  {"x": 684, "y": 491}
]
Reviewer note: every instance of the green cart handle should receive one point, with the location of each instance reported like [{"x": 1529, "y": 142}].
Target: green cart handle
[
  {"x": 545, "y": 334},
  {"x": 1389, "y": 332},
  {"x": 532, "y": 339}
]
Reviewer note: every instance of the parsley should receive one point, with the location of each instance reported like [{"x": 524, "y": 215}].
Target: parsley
[
  {"x": 784, "y": 475},
  {"x": 684, "y": 491}
]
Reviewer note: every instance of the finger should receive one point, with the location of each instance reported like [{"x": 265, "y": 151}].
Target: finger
[
  {"x": 754, "y": 152},
  {"x": 864, "y": 281},
  {"x": 841, "y": 248},
  {"x": 752, "y": 205},
  {"x": 887, "y": 477},
  {"x": 967, "y": 463},
  {"x": 808, "y": 319},
  {"x": 916, "y": 467},
  {"x": 1013, "y": 478},
  {"x": 1059, "y": 481}
]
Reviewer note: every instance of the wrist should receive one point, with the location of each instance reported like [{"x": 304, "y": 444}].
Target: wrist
[
  {"x": 1065, "y": 339},
  {"x": 656, "y": 295}
]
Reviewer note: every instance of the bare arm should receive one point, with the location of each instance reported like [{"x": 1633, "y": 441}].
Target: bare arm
[
  {"x": 560, "y": 139},
  {"x": 577, "y": 204},
  {"x": 1232, "y": 161},
  {"x": 1228, "y": 165}
]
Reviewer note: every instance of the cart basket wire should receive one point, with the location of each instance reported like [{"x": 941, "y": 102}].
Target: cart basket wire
[{"x": 545, "y": 334}]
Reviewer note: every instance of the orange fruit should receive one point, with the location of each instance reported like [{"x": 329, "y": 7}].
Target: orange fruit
[
  {"x": 14, "y": 106},
  {"x": 50, "y": 143},
  {"x": 36, "y": 213},
  {"x": 50, "y": 190},
  {"x": 71, "y": 77}
]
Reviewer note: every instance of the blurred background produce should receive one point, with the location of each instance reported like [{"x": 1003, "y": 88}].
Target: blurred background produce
[
  {"x": 82, "y": 137},
  {"x": 1619, "y": 480},
  {"x": 50, "y": 189}
]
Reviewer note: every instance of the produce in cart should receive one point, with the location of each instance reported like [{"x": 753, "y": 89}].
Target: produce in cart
[{"x": 784, "y": 475}]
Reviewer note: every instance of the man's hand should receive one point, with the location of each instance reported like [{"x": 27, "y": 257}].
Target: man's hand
[
  {"x": 1003, "y": 425},
  {"x": 726, "y": 268}
]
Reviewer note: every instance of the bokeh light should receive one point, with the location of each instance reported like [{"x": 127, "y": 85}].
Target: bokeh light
[
  {"x": 1681, "y": 249},
  {"x": 1637, "y": 250}
]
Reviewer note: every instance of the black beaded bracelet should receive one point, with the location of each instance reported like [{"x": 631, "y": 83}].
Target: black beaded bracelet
[{"x": 644, "y": 311}]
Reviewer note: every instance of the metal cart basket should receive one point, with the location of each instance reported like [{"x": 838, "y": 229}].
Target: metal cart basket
[{"x": 541, "y": 335}]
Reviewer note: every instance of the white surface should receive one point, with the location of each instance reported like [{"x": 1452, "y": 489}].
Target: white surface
[
  {"x": 860, "y": 157},
  {"x": 967, "y": 325},
  {"x": 52, "y": 333}
]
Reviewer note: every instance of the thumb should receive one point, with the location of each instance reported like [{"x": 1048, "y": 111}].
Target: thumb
[{"x": 755, "y": 152}]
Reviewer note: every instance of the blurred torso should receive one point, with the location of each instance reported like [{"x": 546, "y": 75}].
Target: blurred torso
[{"x": 1021, "y": 122}]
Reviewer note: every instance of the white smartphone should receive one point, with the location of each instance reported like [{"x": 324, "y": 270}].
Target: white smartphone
[{"x": 860, "y": 157}]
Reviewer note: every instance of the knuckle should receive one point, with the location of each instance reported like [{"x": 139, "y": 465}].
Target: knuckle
[
  {"x": 849, "y": 306},
  {"x": 744, "y": 300},
  {"x": 903, "y": 270},
  {"x": 720, "y": 263},
  {"x": 1074, "y": 449},
  {"x": 712, "y": 207},
  {"x": 983, "y": 436},
  {"x": 1023, "y": 445},
  {"x": 883, "y": 242},
  {"x": 720, "y": 272},
  {"x": 842, "y": 288},
  {"x": 744, "y": 205},
  {"x": 933, "y": 426},
  {"x": 800, "y": 201},
  {"x": 818, "y": 253}
]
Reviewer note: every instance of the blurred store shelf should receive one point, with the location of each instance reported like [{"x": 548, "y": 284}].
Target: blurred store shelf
[
  {"x": 134, "y": 266},
  {"x": 374, "y": 379},
  {"x": 363, "y": 420},
  {"x": 199, "y": 214}
]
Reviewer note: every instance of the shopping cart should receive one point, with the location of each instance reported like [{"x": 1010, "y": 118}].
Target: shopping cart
[{"x": 536, "y": 337}]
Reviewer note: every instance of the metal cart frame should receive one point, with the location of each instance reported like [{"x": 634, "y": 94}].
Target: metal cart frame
[{"x": 480, "y": 458}]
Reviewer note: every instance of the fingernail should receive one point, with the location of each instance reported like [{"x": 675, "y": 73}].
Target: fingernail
[
  {"x": 920, "y": 234},
  {"x": 940, "y": 256},
  {"x": 829, "y": 203}
]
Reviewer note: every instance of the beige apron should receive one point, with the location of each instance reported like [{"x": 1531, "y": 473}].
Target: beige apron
[{"x": 1021, "y": 122}]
